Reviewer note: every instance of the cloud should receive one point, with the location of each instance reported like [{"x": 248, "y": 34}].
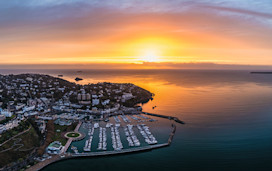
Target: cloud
[
  {"x": 146, "y": 65},
  {"x": 239, "y": 11},
  {"x": 49, "y": 30}
]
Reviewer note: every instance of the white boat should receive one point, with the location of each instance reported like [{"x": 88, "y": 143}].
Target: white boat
[{"x": 96, "y": 125}]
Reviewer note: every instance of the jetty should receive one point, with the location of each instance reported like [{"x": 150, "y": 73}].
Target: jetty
[{"x": 166, "y": 117}]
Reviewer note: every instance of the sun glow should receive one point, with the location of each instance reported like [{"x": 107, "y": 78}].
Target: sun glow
[{"x": 150, "y": 56}]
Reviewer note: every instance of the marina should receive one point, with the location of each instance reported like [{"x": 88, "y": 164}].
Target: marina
[
  {"x": 88, "y": 143},
  {"x": 125, "y": 119},
  {"x": 117, "y": 120},
  {"x": 102, "y": 145},
  {"x": 115, "y": 136},
  {"x": 130, "y": 131},
  {"x": 124, "y": 138},
  {"x": 149, "y": 138},
  {"x": 131, "y": 137}
]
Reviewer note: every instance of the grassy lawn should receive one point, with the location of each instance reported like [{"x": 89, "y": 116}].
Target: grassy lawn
[
  {"x": 73, "y": 135},
  {"x": 58, "y": 137},
  {"x": 30, "y": 140}
]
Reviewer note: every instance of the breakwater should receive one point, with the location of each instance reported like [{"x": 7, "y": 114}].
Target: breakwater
[
  {"x": 172, "y": 134},
  {"x": 164, "y": 116}
]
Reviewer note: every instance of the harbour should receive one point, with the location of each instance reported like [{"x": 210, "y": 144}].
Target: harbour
[{"x": 90, "y": 149}]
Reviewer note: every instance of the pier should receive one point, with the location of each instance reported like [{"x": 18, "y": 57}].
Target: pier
[
  {"x": 68, "y": 143},
  {"x": 78, "y": 126},
  {"x": 164, "y": 116}
]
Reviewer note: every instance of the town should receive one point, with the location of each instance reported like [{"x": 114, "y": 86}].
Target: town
[
  {"x": 44, "y": 107},
  {"x": 46, "y": 97}
]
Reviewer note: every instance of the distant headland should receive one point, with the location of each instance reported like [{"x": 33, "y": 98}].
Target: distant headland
[{"x": 262, "y": 72}]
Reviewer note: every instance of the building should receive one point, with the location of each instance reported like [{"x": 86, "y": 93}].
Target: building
[
  {"x": 2, "y": 117},
  {"x": 19, "y": 106},
  {"x": 26, "y": 108},
  {"x": 106, "y": 102},
  {"x": 7, "y": 113},
  {"x": 54, "y": 148},
  {"x": 29, "y": 79},
  {"x": 95, "y": 102},
  {"x": 84, "y": 98},
  {"x": 127, "y": 96}
]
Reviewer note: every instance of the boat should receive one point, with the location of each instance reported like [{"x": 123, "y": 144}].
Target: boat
[
  {"x": 78, "y": 79},
  {"x": 96, "y": 125},
  {"x": 60, "y": 75},
  {"x": 74, "y": 149},
  {"x": 149, "y": 138}
]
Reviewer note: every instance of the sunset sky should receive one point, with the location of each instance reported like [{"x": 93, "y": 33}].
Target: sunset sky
[{"x": 163, "y": 33}]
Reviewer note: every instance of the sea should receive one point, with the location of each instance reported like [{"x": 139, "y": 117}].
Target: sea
[{"x": 227, "y": 115}]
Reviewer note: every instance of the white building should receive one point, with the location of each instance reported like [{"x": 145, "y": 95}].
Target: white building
[
  {"x": 6, "y": 113},
  {"x": 95, "y": 102},
  {"x": 28, "y": 108},
  {"x": 127, "y": 96},
  {"x": 20, "y": 106},
  {"x": 106, "y": 102},
  {"x": 94, "y": 96},
  {"x": 29, "y": 79}
]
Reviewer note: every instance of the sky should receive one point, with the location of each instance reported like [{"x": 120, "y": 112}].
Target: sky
[{"x": 135, "y": 33}]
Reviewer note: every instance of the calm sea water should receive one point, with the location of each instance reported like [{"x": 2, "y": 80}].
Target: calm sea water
[{"x": 228, "y": 117}]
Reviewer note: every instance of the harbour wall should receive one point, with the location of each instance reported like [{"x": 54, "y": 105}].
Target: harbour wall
[{"x": 164, "y": 116}]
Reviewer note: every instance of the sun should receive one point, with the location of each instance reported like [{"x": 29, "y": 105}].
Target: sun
[{"x": 150, "y": 56}]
